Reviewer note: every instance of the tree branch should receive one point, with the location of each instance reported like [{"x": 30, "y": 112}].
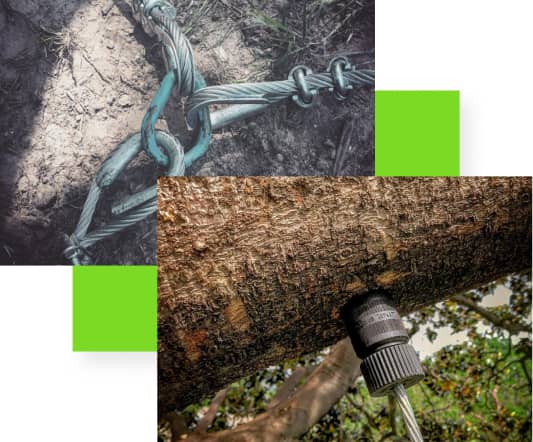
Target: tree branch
[
  {"x": 513, "y": 328},
  {"x": 301, "y": 247},
  {"x": 494, "y": 395},
  {"x": 211, "y": 412},
  {"x": 294, "y": 416},
  {"x": 526, "y": 371},
  {"x": 287, "y": 388}
]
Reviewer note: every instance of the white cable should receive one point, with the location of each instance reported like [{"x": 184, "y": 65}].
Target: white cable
[{"x": 413, "y": 430}]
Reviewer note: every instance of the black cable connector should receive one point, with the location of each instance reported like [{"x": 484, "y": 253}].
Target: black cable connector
[{"x": 380, "y": 340}]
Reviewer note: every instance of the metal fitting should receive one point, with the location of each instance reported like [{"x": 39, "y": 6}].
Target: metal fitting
[
  {"x": 176, "y": 167},
  {"x": 336, "y": 68},
  {"x": 306, "y": 96},
  {"x": 143, "y": 8},
  {"x": 75, "y": 252},
  {"x": 130, "y": 211},
  {"x": 381, "y": 341}
]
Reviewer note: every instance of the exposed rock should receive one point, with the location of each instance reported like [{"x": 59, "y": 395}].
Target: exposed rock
[{"x": 45, "y": 197}]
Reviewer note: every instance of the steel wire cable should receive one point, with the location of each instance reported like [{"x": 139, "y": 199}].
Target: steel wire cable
[
  {"x": 177, "y": 50},
  {"x": 413, "y": 430},
  {"x": 269, "y": 92},
  {"x": 121, "y": 223},
  {"x": 88, "y": 210},
  {"x": 158, "y": 16},
  {"x": 182, "y": 74},
  {"x": 145, "y": 205}
]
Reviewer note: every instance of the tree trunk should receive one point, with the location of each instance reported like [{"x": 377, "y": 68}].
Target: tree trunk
[{"x": 254, "y": 270}]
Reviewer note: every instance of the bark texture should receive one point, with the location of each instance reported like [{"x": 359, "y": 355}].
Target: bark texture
[{"x": 254, "y": 270}]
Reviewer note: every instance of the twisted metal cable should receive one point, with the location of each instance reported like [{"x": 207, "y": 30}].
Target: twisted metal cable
[
  {"x": 269, "y": 92},
  {"x": 88, "y": 210},
  {"x": 158, "y": 16},
  {"x": 135, "y": 208},
  {"x": 76, "y": 249},
  {"x": 177, "y": 50},
  {"x": 413, "y": 430},
  {"x": 201, "y": 123},
  {"x": 119, "y": 224}
]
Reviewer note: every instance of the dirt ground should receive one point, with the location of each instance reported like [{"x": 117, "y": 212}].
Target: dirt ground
[{"x": 76, "y": 77}]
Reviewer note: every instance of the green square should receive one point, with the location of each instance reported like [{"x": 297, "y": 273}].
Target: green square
[
  {"x": 115, "y": 308},
  {"x": 417, "y": 133}
]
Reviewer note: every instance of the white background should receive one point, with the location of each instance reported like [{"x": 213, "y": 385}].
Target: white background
[{"x": 482, "y": 48}]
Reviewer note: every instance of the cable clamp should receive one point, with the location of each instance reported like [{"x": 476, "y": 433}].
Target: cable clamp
[
  {"x": 306, "y": 96},
  {"x": 74, "y": 251},
  {"x": 341, "y": 89}
]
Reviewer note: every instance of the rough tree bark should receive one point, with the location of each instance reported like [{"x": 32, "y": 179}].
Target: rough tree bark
[{"x": 254, "y": 270}]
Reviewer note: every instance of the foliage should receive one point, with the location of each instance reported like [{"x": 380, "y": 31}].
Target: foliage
[
  {"x": 476, "y": 391},
  {"x": 459, "y": 317}
]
